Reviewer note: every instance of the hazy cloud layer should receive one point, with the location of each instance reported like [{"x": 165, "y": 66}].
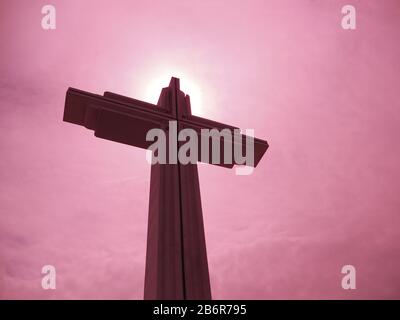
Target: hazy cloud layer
[{"x": 326, "y": 99}]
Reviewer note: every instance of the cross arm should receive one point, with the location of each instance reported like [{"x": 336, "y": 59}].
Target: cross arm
[
  {"x": 237, "y": 140},
  {"x": 126, "y": 123},
  {"x": 126, "y": 120}
]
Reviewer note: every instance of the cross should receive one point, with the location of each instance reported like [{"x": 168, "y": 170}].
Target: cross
[{"x": 176, "y": 257}]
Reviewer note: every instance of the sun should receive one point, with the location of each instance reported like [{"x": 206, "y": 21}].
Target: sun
[{"x": 153, "y": 90}]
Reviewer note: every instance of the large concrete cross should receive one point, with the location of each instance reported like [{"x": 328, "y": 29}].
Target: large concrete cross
[{"x": 176, "y": 258}]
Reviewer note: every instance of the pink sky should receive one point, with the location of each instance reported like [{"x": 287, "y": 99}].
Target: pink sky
[{"x": 325, "y": 195}]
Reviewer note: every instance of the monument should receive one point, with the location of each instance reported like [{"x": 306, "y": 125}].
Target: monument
[{"x": 176, "y": 257}]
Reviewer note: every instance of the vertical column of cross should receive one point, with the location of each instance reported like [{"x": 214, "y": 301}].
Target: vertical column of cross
[
  {"x": 176, "y": 259},
  {"x": 195, "y": 264},
  {"x": 164, "y": 278}
]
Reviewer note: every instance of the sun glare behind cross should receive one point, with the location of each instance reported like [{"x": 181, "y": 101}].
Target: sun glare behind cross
[{"x": 187, "y": 86}]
